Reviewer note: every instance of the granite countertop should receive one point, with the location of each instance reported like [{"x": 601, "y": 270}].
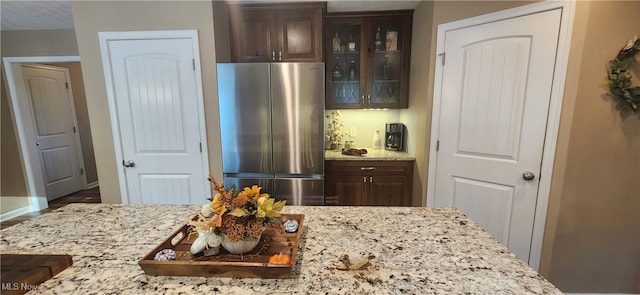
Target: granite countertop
[
  {"x": 371, "y": 155},
  {"x": 415, "y": 251}
]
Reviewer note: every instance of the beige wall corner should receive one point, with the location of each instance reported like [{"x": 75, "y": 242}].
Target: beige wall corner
[
  {"x": 564, "y": 131},
  {"x": 592, "y": 241},
  {"x": 13, "y": 188},
  {"x": 12, "y": 177},
  {"x": 91, "y": 17},
  {"x": 420, "y": 97}
]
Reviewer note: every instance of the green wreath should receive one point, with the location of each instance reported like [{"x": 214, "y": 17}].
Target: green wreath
[{"x": 619, "y": 80}]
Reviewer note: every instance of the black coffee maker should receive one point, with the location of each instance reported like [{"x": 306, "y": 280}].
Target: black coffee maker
[{"x": 394, "y": 137}]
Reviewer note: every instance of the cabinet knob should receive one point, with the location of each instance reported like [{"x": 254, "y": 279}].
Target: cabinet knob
[{"x": 370, "y": 186}]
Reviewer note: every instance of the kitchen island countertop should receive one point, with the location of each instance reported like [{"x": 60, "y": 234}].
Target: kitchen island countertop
[
  {"x": 414, "y": 250},
  {"x": 371, "y": 155}
]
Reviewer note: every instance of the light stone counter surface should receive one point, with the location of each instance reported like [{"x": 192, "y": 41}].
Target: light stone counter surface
[
  {"x": 416, "y": 250},
  {"x": 371, "y": 155}
]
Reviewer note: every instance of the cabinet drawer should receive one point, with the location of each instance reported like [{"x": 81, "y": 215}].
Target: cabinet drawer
[{"x": 368, "y": 167}]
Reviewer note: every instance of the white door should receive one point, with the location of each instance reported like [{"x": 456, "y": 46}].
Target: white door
[
  {"x": 158, "y": 104},
  {"x": 496, "y": 88},
  {"x": 49, "y": 94}
]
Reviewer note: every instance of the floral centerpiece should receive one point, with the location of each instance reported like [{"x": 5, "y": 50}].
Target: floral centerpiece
[{"x": 235, "y": 219}]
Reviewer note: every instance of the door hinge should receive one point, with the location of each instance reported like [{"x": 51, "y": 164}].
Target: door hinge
[
  {"x": 81, "y": 171},
  {"x": 66, "y": 84},
  {"x": 437, "y": 145},
  {"x": 193, "y": 62},
  {"x": 201, "y": 147},
  {"x": 443, "y": 54}
]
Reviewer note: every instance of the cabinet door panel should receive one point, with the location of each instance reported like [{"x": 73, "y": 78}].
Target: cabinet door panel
[
  {"x": 368, "y": 183},
  {"x": 344, "y": 67},
  {"x": 300, "y": 36},
  {"x": 287, "y": 32},
  {"x": 343, "y": 190},
  {"x": 386, "y": 191},
  {"x": 388, "y": 63},
  {"x": 252, "y": 36}
]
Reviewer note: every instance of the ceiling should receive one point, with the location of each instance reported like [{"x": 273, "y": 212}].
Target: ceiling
[
  {"x": 50, "y": 15},
  {"x": 35, "y": 15}
]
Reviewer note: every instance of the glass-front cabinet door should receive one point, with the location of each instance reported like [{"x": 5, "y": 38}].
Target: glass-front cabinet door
[
  {"x": 344, "y": 67},
  {"x": 367, "y": 60},
  {"x": 384, "y": 89}
]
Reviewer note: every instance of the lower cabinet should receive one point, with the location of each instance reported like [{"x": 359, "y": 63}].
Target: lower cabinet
[{"x": 368, "y": 183}]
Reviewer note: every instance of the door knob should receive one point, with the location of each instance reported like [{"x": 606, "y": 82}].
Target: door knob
[
  {"x": 129, "y": 163},
  {"x": 528, "y": 175}
]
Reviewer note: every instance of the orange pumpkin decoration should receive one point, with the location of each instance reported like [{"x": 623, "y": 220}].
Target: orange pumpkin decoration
[{"x": 280, "y": 259}]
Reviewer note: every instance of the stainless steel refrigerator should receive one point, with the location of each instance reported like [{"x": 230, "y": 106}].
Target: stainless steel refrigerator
[{"x": 271, "y": 117}]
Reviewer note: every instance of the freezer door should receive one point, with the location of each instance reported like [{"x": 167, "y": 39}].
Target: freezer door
[
  {"x": 297, "y": 94},
  {"x": 300, "y": 191},
  {"x": 245, "y": 117}
]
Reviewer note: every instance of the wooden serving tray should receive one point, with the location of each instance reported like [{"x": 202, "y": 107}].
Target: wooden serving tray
[
  {"x": 24, "y": 272},
  {"x": 254, "y": 264}
]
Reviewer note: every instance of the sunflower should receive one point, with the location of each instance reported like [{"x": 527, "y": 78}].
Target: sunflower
[{"x": 253, "y": 193}]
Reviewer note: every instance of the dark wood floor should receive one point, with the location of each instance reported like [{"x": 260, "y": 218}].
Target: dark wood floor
[{"x": 85, "y": 196}]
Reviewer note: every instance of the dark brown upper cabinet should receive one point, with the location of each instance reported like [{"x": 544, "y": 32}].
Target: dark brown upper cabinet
[
  {"x": 367, "y": 59},
  {"x": 276, "y": 32}
]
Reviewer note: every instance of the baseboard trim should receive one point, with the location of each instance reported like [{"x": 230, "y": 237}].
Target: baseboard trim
[
  {"x": 92, "y": 185},
  {"x": 15, "y": 213}
]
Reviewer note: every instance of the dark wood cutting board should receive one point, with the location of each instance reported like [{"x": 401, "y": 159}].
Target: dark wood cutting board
[{"x": 22, "y": 273}]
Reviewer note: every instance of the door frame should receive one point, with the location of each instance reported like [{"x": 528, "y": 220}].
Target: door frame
[
  {"x": 25, "y": 130},
  {"x": 553, "y": 118},
  {"x": 104, "y": 38}
]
